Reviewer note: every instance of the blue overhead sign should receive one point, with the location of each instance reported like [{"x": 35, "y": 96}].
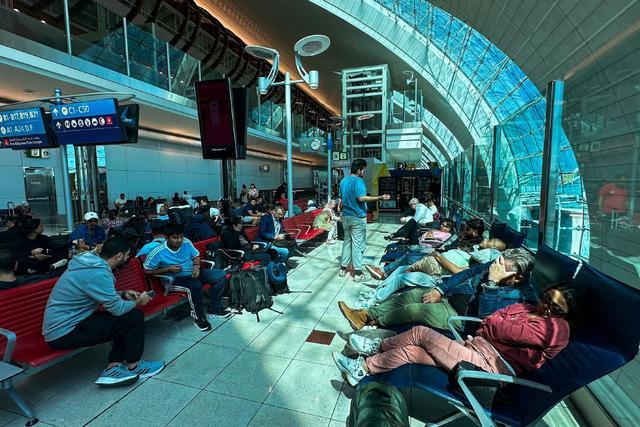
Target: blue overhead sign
[
  {"x": 87, "y": 123},
  {"x": 23, "y": 128}
]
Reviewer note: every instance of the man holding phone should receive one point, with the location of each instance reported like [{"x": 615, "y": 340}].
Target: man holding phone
[
  {"x": 72, "y": 319},
  {"x": 177, "y": 257}
]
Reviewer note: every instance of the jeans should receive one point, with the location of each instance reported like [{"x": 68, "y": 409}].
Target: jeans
[
  {"x": 407, "y": 307},
  {"x": 401, "y": 278},
  {"x": 126, "y": 332},
  {"x": 355, "y": 242},
  {"x": 406, "y": 259},
  {"x": 283, "y": 253},
  {"x": 193, "y": 287}
]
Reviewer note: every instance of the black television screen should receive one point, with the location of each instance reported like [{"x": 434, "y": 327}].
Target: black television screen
[
  {"x": 241, "y": 112},
  {"x": 216, "y": 116}
]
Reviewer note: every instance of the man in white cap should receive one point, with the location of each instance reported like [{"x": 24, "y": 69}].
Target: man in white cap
[{"x": 88, "y": 235}]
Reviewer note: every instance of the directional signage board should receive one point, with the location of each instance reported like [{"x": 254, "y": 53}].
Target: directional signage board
[
  {"x": 87, "y": 123},
  {"x": 23, "y": 129}
]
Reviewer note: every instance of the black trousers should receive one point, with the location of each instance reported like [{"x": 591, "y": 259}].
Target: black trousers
[
  {"x": 409, "y": 231},
  {"x": 126, "y": 332}
]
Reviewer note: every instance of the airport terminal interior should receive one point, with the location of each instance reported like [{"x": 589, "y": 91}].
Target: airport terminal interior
[{"x": 319, "y": 212}]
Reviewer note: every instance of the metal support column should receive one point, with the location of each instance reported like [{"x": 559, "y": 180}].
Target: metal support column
[
  {"x": 329, "y": 149},
  {"x": 57, "y": 93},
  {"x": 550, "y": 156},
  {"x": 199, "y": 70},
  {"x": 287, "y": 96},
  {"x": 67, "y": 26},
  {"x": 168, "y": 66},
  {"x": 497, "y": 144},
  {"x": 126, "y": 45}
]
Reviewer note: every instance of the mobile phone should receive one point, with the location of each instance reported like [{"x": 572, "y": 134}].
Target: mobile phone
[{"x": 152, "y": 294}]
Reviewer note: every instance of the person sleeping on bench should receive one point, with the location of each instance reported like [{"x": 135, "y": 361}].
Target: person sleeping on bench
[
  {"x": 480, "y": 290},
  {"x": 514, "y": 340}
]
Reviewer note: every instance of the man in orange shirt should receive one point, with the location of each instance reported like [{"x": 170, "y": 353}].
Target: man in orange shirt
[{"x": 614, "y": 197}]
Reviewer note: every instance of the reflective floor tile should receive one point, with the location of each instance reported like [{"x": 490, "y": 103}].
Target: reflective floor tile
[
  {"x": 268, "y": 416},
  {"x": 214, "y": 409}
]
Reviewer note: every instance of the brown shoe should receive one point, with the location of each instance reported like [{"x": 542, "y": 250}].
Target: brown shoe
[
  {"x": 375, "y": 271},
  {"x": 357, "y": 318}
]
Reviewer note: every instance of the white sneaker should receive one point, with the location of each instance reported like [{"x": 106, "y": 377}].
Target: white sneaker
[
  {"x": 364, "y": 345},
  {"x": 352, "y": 369},
  {"x": 342, "y": 272},
  {"x": 362, "y": 277}
]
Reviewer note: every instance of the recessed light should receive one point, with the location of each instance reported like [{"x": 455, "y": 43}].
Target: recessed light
[
  {"x": 15, "y": 9},
  {"x": 43, "y": 21},
  {"x": 28, "y": 91}
]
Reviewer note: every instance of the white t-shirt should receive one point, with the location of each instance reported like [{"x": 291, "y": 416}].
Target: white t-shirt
[
  {"x": 424, "y": 214},
  {"x": 119, "y": 202}
]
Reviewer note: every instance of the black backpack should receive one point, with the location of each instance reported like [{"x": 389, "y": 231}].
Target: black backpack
[{"x": 250, "y": 290}]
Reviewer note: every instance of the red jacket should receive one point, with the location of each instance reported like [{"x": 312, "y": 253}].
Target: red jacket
[{"x": 525, "y": 342}]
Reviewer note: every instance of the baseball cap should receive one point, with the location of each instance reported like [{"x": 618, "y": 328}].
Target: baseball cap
[
  {"x": 91, "y": 215},
  {"x": 214, "y": 212}
]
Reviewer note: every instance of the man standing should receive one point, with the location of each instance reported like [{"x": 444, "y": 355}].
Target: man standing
[
  {"x": 354, "y": 219},
  {"x": 72, "y": 319}
]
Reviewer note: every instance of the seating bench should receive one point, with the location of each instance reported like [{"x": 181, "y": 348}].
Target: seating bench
[{"x": 606, "y": 341}]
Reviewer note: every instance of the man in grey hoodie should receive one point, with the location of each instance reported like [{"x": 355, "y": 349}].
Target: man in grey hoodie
[{"x": 72, "y": 319}]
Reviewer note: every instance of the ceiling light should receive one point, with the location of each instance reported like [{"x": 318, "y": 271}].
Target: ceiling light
[
  {"x": 29, "y": 91},
  {"x": 15, "y": 9},
  {"x": 43, "y": 21}
]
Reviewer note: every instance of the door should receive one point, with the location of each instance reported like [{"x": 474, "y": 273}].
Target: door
[{"x": 40, "y": 191}]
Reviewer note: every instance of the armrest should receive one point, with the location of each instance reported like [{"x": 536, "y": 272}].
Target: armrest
[
  {"x": 232, "y": 253},
  {"x": 209, "y": 264},
  {"x": 263, "y": 244},
  {"x": 167, "y": 282},
  {"x": 293, "y": 229},
  {"x": 485, "y": 420},
  {"x": 305, "y": 225},
  {"x": 453, "y": 330},
  {"x": 11, "y": 344}
]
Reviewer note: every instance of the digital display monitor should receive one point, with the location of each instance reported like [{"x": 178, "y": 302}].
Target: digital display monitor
[
  {"x": 216, "y": 116},
  {"x": 87, "y": 123},
  {"x": 241, "y": 115},
  {"x": 24, "y": 128}
]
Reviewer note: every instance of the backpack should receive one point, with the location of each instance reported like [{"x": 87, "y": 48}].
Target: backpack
[
  {"x": 377, "y": 404},
  {"x": 134, "y": 231},
  {"x": 180, "y": 215},
  {"x": 250, "y": 290},
  {"x": 277, "y": 274}
]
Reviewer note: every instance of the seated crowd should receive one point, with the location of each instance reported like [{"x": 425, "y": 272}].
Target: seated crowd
[{"x": 85, "y": 308}]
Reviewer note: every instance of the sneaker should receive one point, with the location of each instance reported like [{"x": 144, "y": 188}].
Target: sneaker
[
  {"x": 342, "y": 272},
  {"x": 362, "y": 277},
  {"x": 331, "y": 242},
  {"x": 376, "y": 272},
  {"x": 148, "y": 368},
  {"x": 352, "y": 369},
  {"x": 388, "y": 237},
  {"x": 117, "y": 376},
  {"x": 365, "y": 346},
  {"x": 202, "y": 324}
]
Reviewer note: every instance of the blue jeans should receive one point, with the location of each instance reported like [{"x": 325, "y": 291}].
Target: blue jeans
[
  {"x": 283, "y": 253},
  {"x": 401, "y": 278},
  {"x": 355, "y": 242},
  {"x": 406, "y": 259}
]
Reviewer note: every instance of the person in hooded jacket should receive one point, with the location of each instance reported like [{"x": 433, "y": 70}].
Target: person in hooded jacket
[{"x": 72, "y": 320}]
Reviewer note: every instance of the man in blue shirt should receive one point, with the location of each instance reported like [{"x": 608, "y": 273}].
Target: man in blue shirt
[
  {"x": 354, "y": 219},
  {"x": 86, "y": 236},
  {"x": 157, "y": 230},
  {"x": 250, "y": 214},
  {"x": 178, "y": 258}
]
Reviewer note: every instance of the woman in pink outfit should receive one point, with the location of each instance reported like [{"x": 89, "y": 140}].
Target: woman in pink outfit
[{"x": 516, "y": 339}]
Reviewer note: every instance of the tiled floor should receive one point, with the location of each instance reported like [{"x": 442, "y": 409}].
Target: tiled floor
[{"x": 242, "y": 373}]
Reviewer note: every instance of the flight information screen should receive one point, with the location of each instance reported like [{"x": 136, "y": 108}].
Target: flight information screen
[
  {"x": 24, "y": 128},
  {"x": 87, "y": 123}
]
